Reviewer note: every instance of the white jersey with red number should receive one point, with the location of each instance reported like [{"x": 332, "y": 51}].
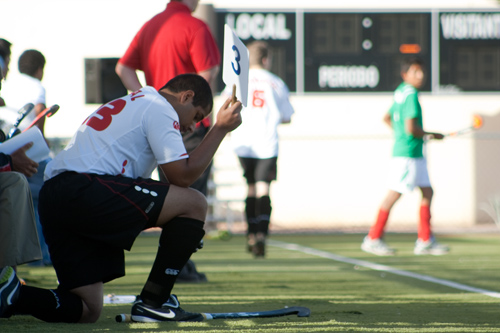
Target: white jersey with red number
[
  {"x": 268, "y": 106},
  {"x": 127, "y": 136}
]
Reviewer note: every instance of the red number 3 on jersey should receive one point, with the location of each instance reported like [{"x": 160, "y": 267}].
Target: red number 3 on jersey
[
  {"x": 258, "y": 99},
  {"x": 106, "y": 112}
]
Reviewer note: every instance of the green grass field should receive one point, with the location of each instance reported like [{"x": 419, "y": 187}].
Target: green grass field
[{"x": 344, "y": 296}]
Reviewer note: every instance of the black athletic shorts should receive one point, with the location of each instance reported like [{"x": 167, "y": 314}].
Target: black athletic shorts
[
  {"x": 259, "y": 170},
  {"x": 88, "y": 220}
]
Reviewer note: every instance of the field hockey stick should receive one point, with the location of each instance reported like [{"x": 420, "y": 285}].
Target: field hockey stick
[
  {"x": 298, "y": 310},
  {"x": 23, "y": 112},
  {"x": 49, "y": 112},
  {"x": 477, "y": 123}
]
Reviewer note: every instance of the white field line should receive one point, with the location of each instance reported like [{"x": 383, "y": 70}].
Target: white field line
[{"x": 378, "y": 267}]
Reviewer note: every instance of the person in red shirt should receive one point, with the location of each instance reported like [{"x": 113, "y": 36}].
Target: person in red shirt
[{"x": 171, "y": 43}]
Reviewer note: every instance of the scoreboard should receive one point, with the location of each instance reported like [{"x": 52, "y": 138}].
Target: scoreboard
[
  {"x": 360, "y": 51},
  {"x": 469, "y": 52}
]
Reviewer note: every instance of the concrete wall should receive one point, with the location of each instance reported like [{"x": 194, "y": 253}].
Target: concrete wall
[
  {"x": 333, "y": 159},
  {"x": 334, "y": 154}
]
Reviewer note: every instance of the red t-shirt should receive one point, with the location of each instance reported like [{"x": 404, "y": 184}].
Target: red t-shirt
[{"x": 173, "y": 42}]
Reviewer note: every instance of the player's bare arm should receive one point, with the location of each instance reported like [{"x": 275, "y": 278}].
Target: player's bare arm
[
  {"x": 210, "y": 75},
  {"x": 39, "y": 108},
  {"x": 387, "y": 119},
  {"x": 185, "y": 172},
  {"x": 418, "y": 132},
  {"x": 128, "y": 76}
]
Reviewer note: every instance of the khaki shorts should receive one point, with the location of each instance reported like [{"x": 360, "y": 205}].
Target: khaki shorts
[
  {"x": 18, "y": 235},
  {"x": 406, "y": 173}
]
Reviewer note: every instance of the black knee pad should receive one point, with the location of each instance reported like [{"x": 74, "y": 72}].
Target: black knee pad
[
  {"x": 250, "y": 208},
  {"x": 263, "y": 227},
  {"x": 185, "y": 233},
  {"x": 264, "y": 206}
]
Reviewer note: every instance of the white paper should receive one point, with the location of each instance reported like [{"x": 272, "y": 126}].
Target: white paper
[
  {"x": 38, "y": 152},
  {"x": 235, "y": 64}
]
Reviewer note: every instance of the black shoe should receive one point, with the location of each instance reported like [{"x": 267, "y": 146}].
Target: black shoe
[
  {"x": 9, "y": 290},
  {"x": 194, "y": 277},
  {"x": 259, "y": 249},
  {"x": 169, "y": 311},
  {"x": 251, "y": 242},
  {"x": 189, "y": 274}
]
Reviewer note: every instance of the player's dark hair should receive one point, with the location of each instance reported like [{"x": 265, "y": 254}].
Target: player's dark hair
[
  {"x": 258, "y": 50},
  {"x": 4, "y": 48},
  {"x": 202, "y": 91},
  {"x": 30, "y": 61},
  {"x": 409, "y": 61}
]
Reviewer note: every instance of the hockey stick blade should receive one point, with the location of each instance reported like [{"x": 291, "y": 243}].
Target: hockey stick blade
[
  {"x": 52, "y": 110},
  {"x": 23, "y": 112},
  {"x": 477, "y": 123},
  {"x": 48, "y": 112},
  {"x": 298, "y": 310}
]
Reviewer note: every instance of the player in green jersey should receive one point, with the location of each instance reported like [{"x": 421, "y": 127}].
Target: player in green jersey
[{"x": 408, "y": 164}]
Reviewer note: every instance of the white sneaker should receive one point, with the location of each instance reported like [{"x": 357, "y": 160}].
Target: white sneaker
[
  {"x": 430, "y": 247},
  {"x": 377, "y": 247}
]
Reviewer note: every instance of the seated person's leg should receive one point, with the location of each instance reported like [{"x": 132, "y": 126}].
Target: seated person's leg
[
  {"x": 18, "y": 236},
  {"x": 36, "y": 183}
]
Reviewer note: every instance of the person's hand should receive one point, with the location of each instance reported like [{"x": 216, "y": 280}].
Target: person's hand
[
  {"x": 22, "y": 163},
  {"x": 436, "y": 136},
  {"x": 229, "y": 116}
]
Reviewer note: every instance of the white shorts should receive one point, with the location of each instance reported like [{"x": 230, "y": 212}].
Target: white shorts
[{"x": 407, "y": 173}]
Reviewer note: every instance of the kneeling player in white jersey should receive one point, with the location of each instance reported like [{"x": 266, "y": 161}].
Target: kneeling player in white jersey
[{"x": 98, "y": 197}]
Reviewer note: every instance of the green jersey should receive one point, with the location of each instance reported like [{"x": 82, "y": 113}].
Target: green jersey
[{"x": 406, "y": 106}]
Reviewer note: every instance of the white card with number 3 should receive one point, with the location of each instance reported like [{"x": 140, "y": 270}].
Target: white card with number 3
[{"x": 235, "y": 64}]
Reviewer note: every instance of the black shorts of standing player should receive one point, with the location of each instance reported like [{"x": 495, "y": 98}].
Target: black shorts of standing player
[
  {"x": 258, "y": 202},
  {"x": 259, "y": 170},
  {"x": 88, "y": 220}
]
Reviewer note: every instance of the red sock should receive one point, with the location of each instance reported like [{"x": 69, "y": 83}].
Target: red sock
[
  {"x": 377, "y": 230},
  {"x": 424, "y": 228}
]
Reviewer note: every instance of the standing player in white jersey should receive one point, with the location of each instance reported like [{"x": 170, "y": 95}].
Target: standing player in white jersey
[
  {"x": 256, "y": 141},
  {"x": 97, "y": 199}
]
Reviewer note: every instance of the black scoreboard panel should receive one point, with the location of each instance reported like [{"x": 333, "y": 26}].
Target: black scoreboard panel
[
  {"x": 275, "y": 28},
  {"x": 362, "y": 51},
  {"x": 469, "y": 51}
]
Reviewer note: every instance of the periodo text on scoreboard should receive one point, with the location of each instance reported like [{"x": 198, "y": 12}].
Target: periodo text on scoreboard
[{"x": 348, "y": 76}]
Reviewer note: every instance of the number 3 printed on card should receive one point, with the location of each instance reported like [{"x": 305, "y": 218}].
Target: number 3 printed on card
[
  {"x": 237, "y": 58},
  {"x": 106, "y": 112}
]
